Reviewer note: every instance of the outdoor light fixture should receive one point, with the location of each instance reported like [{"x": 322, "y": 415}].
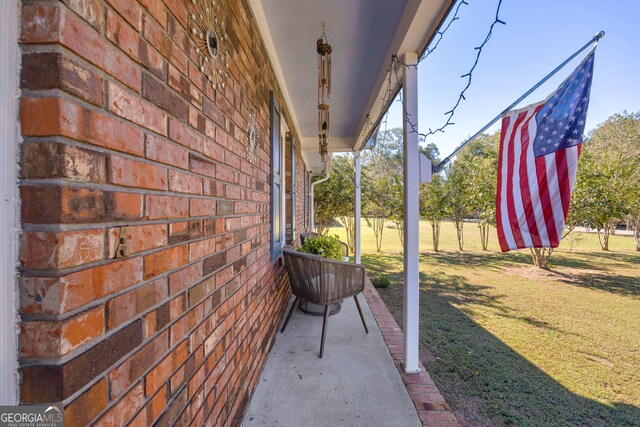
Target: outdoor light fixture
[
  {"x": 324, "y": 92},
  {"x": 209, "y": 31}
]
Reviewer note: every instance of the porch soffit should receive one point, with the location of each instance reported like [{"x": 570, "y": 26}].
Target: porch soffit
[{"x": 364, "y": 34}]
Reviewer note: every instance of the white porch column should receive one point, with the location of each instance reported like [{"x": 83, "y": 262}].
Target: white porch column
[
  {"x": 411, "y": 214},
  {"x": 357, "y": 209}
]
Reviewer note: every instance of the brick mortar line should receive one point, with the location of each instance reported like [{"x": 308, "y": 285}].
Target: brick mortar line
[
  {"x": 60, "y": 272},
  {"x": 105, "y": 374},
  {"x": 61, "y": 139},
  {"x": 66, "y": 358},
  {"x": 79, "y": 185},
  {"x": 85, "y": 226},
  {"x": 141, "y": 379},
  {"x": 59, "y": 93},
  {"x": 381, "y": 313},
  {"x": 103, "y": 300},
  {"x": 188, "y": 335}
]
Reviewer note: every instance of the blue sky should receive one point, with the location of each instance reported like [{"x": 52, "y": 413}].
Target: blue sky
[{"x": 539, "y": 35}]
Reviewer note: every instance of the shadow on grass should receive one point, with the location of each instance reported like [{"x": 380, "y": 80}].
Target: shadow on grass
[
  {"x": 456, "y": 288},
  {"x": 630, "y": 258},
  {"x": 609, "y": 280},
  {"x": 485, "y": 381},
  {"x": 616, "y": 284},
  {"x": 559, "y": 259},
  {"x": 485, "y": 260},
  {"x": 490, "y": 260}
]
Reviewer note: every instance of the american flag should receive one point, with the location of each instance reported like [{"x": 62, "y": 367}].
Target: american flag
[{"x": 539, "y": 150}]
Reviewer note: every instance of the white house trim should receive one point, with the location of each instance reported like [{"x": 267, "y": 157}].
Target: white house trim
[{"x": 9, "y": 225}]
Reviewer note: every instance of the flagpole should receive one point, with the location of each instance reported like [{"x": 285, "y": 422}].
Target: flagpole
[{"x": 437, "y": 168}]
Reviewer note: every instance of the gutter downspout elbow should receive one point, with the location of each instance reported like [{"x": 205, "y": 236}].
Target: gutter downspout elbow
[{"x": 313, "y": 184}]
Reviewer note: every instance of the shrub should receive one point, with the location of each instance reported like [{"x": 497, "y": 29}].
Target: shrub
[
  {"x": 325, "y": 246},
  {"x": 381, "y": 282}
]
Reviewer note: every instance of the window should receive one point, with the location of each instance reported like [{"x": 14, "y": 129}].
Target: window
[{"x": 276, "y": 180}]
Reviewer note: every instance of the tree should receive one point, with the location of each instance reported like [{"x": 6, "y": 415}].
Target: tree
[
  {"x": 608, "y": 176},
  {"x": 335, "y": 197},
  {"x": 456, "y": 189},
  {"x": 396, "y": 200},
  {"x": 382, "y": 167},
  {"x": 633, "y": 218},
  {"x": 480, "y": 163},
  {"x": 433, "y": 206}
]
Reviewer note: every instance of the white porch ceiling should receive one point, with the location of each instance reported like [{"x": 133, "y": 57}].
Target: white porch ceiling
[{"x": 364, "y": 34}]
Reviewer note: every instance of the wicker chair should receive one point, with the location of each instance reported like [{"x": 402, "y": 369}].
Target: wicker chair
[{"x": 323, "y": 281}]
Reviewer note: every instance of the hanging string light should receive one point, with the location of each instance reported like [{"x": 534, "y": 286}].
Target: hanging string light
[{"x": 324, "y": 92}]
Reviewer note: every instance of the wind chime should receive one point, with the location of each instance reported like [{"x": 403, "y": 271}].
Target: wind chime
[{"x": 324, "y": 92}]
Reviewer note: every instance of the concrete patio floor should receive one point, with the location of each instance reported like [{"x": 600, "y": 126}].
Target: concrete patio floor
[{"x": 356, "y": 383}]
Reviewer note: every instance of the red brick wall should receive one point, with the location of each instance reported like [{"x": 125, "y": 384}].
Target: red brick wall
[{"x": 120, "y": 130}]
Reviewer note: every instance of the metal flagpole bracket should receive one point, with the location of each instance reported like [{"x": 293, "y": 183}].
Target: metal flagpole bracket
[
  {"x": 426, "y": 168},
  {"x": 437, "y": 168}
]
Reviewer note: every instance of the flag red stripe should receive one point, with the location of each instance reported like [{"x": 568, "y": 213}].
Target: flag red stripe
[
  {"x": 563, "y": 180},
  {"x": 525, "y": 190},
  {"x": 501, "y": 238},
  {"x": 511, "y": 208},
  {"x": 545, "y": 200}
]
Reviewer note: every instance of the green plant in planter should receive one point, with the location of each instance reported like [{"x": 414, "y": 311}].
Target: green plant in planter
[{"x": 325, "y": 246}]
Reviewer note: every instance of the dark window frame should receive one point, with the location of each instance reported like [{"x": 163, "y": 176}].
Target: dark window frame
[
  {"x": 294, "y": 187},
  {"x": 276, "y": 179}
]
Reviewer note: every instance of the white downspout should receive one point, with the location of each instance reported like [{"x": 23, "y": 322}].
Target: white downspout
[
  {"x": 313, "y": 184},
  {"x": 411, "y": 224}
]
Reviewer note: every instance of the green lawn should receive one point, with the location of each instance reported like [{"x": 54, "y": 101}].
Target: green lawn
[{"x": 509, "y": 344}]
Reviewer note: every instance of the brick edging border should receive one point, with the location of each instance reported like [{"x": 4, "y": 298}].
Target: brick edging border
[{"x": 432, "y": 409}]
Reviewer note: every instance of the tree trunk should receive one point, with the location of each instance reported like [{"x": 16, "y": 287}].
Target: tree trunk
[
  {"x": 633, "y": 224},
  {"x": 435, "y": 229},
  {"x": 349, "y": 225},
  {"x": 378, "y": 228},
  {"x": 484, "y": 235},
  {"x": 605, "y": 239},
  {"x": 460, "y": 232},
  {"x": 541, "y": 257},
  {"x": 321, "y": 229},
  {"x": 602, "y": 244},
  {"x": 400, "y": 227}
]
